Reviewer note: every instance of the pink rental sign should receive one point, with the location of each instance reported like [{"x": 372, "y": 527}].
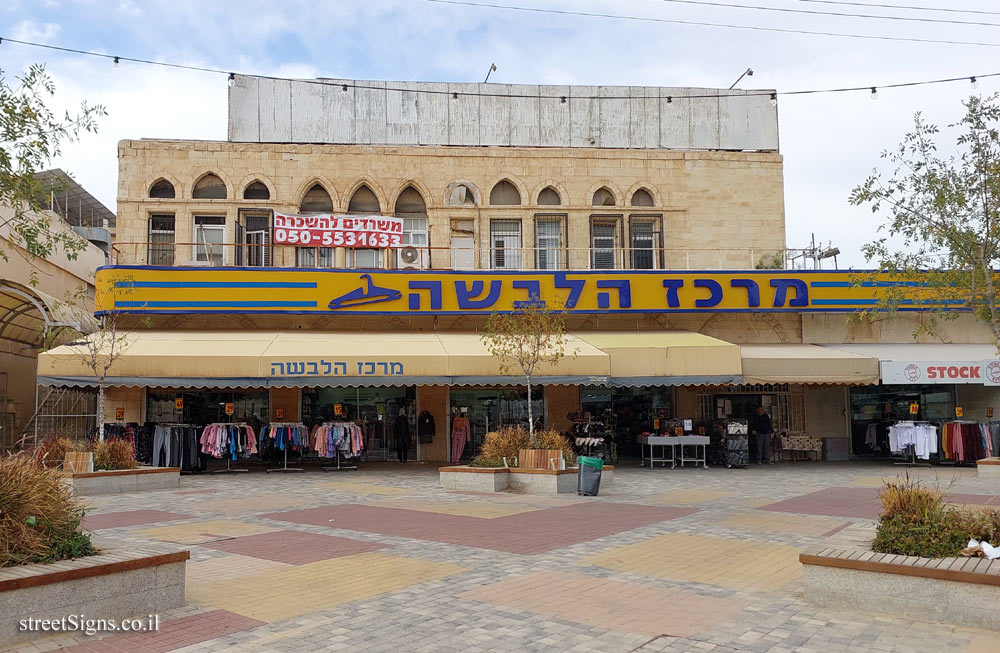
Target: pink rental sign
[{"x": 374, "y": 231}]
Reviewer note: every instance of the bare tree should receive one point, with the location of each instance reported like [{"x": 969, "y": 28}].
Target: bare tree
[
  {"x": 526, "y": 339},
  {"x": 99, "y": 351}
]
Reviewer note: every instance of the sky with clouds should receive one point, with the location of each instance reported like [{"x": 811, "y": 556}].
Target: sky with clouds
[{"x": 830, "y": 141}]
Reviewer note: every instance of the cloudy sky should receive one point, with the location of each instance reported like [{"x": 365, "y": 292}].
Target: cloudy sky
[{"x": 830, "y": 141}]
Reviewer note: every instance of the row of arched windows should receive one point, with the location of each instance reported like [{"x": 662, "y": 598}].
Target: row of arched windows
[{"x": 317, "y": 199}]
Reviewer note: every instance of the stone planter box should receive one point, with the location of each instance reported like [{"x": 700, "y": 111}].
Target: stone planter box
[
  {"x": 123, "y": 481},
  {"x": 475, "y": 479},
  {"x": 115, "y": 584},
  {"x": 531, "y": 481},
  {"x": 960, "y": 591},
  {"x": 988, "y": 468}
]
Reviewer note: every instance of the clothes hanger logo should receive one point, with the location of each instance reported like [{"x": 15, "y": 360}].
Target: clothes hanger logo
[{"x": 368, "y": 293}]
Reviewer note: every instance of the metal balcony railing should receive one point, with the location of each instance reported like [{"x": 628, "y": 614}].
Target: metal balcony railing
[{"x": 449, "y": 258}]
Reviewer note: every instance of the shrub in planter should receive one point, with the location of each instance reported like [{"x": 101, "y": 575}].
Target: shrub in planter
[
  {"x": 480, "y": 461},
  {"x": 39, "y": 516},
  {"x": 552, "y": 439},
  {"x": 114, "y": 454},
  {"x": 51, "y": 451},
  {"x": 915, "y": 521},
  {"x": 509, "y": 440}
]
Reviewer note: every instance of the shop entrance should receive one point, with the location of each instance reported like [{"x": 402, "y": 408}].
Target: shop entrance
[
  {"x": 490, "y": 409},
  {"x": 875, "y": 408},
  {"x": 375, "y": 409}
]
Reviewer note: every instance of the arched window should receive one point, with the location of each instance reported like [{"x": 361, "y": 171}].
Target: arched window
[
  {"x": 461, "y": 195},
  {"x": 604, "y": 197},
  {"x": 642, "y": 197},
  {"x": 364, "y": 201},
  {"x": 505, "y": 194},
  {"x": 209, "y": 187},
  {"x": 316, "y": 200},
  {"x": 256, "y": 190},
  {"x": 410, "y": 206},
  {"x": 549, "y": 197},
  {"x": 410, "y": 201},
  {"x": 162, "y": 189}
]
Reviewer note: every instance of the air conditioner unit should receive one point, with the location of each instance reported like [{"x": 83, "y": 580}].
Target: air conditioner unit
[{"x": 409, "y": 255}]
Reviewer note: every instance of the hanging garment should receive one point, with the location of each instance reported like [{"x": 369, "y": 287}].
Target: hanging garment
[
  {"x": 461, "y": 429},
  {"x": 425, "y": 428},
  {"x": 401, "y": 433},
  {"x": 922, "y": 437}
]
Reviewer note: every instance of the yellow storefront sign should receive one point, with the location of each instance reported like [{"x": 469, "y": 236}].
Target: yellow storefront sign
[{"x": 363, "y": 292}]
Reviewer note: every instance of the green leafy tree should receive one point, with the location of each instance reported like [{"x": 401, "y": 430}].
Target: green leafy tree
[
  {"x": 940, "y": 244},
  {"x": 30, "y": 136},
  {"x": 525, "y": 340}
]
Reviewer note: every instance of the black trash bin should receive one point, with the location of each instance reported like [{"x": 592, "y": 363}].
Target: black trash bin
[{"x": 588, "y": 481}]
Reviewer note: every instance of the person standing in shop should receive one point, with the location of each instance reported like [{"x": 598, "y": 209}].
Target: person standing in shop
[
  {"x": 401, "y": 429},
  {"x": 762, "y": 429}
]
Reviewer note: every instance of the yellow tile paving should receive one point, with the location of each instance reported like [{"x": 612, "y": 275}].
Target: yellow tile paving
[
  {"x": 480, "y": 509},
  {"x": 776, "y": 522},
  {"x": 688, "y": 496},
  {"x": 984, "y": 642},
  {"x": 233, "y": 566},
  {"x": 204, "y": 531},
  {"x": 736, "y": 564},
  {"x": 283, "y": 593},
  {"x": 367, "y": 488}
]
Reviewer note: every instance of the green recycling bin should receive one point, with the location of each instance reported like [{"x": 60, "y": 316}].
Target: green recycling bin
[{"x": 588, "y": 481}]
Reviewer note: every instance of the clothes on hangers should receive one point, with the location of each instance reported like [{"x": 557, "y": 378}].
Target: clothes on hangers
[
  {"x": 176, "y": 445},
  {"x": 285, "y": 435},
  {"x": 965, "y": 442},
  {"x": 425, "y": 428},
  {"x": 461, "y": 430},
  {"x": 228, "y": 440},
  {"x": 871, "y": 437},
  {"x": 127, "y": 431},
  {"x": 922, "y": 436},
  {"x": 331, "y": 439}
]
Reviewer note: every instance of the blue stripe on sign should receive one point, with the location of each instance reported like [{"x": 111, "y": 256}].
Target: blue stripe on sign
[
  {"x": 830, "y": 284},
  {"x": 844, "y": 302},
  {"x": 215, "y": 304},
  {"x": 215, "y": 284},
  {"x": 866, "y": 284}
]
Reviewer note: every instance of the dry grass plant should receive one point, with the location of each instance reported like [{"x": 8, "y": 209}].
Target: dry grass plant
[
  {"x": 39, "y": 516},
  {"x": 114, "y": 454},
  {"x": 506, "y": 442}
]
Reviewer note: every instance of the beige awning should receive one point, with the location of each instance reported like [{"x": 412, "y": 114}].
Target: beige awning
[
  {"x": 310, "y": 358},
  {"x": 668, "y": 358},
  {"x": 803, "y": 363},
  {"x": 30, "y": 317}
]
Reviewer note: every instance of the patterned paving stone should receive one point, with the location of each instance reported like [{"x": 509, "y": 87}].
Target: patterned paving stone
[
  {"x": 527, "y": 533},
  {"x": 293, "y": 547},
  {"x": 226, "y": 567},
  {"x": 366, "y": 488},
  {"x": 283, "y": 593},
  {"x": 689, "y": 496},
  {"x": 736, "y": 564},
  {"x": 172, "y": 635},
  {"x": 129, "y": 518},
  {"x": 249, "y": 504},
  {"x": 204, "y": 531},
  {"x": 769, "y": 522},
  {"x": 618, "y": 605},
  {"x": 858, "y": 502},
  {"x": 480, "y": 510}
]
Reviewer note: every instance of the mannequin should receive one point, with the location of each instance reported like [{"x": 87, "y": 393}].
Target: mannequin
[{"x": 461, "y": 429}]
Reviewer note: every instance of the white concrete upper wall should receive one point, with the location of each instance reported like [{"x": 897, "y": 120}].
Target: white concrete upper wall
[{"x": 426, "y": 113}]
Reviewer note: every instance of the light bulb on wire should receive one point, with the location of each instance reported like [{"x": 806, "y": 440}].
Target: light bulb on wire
[
  {"x": 874, "y": 94},
  {"x": 232, "y": 79},
  {"x": 774, "y": 99},
  {"x": 974, "y": 82},
  {"x": 116, "y": 63}
]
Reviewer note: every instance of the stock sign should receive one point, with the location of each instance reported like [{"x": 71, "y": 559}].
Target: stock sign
[{"x": 374, "y": 231}]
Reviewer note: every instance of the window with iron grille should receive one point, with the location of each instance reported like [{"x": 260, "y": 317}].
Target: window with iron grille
[
  {"x": 254, "y": 238},
  {"x": 645, "y": 242},
  {"x": 604, "y": 243},
  {"x": 161, "y": 240},
  {"x": 209, "y": 236},
  {"x": 414, "y": 235},
  {"x": 314, "y": 257},
  {"x": 505, "y": 244},
  {"x": 364, "y": 258},
  {"x": 550, "y": 242}
]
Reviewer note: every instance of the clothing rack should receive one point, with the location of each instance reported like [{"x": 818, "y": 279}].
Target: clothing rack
[
  {"x": 910, "y": 450},
  {"x": 229, "y": 468},
  {"x": 339, "y": 452},
  {"x": 285, "y": 467}
]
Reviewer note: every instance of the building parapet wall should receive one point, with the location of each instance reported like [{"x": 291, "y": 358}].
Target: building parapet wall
[{"x": 426, "y": 113}]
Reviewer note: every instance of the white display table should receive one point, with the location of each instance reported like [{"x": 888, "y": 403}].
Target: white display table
[{"x": 681, "y": 441}]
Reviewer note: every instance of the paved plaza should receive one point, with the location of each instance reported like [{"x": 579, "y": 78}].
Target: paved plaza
[{"x": 383, "y": 559}]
